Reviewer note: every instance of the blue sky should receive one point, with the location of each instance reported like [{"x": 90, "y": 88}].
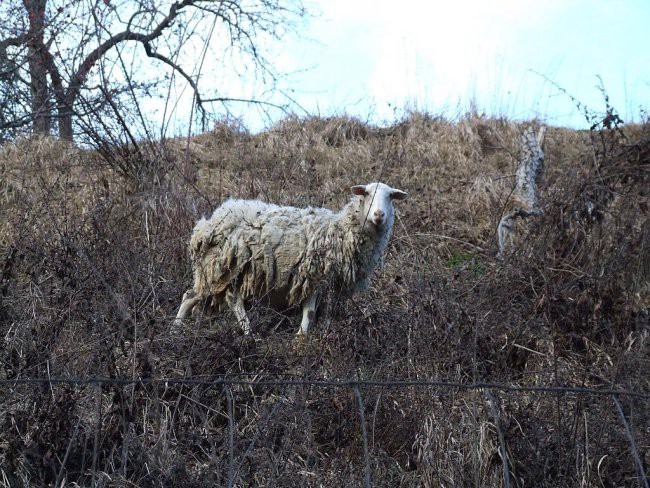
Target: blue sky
[{"x": 376, "y": 59}]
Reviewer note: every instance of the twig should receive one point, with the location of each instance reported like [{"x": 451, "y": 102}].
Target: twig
[
  {"x": 67, "y": 453},
  {"x": 98, "y": 401},
  {"x": 635, "y": 453}
]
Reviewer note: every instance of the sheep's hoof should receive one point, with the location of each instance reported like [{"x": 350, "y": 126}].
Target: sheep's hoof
[
  {"x": 177, "y": 327},
  {"x": 300, "y": 341}
]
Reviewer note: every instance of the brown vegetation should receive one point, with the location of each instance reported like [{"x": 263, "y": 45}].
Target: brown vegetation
[{"x": 93, "y": 266}]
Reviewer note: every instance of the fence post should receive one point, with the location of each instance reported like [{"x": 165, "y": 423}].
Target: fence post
[
  {"x": 502, "y": 441},
  {"x": 231, "y": 436},
  {"x": 364, "y": 433}
]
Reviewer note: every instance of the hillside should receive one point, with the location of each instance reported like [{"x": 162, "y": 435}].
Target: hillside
[{"x": 93, "y": 266}]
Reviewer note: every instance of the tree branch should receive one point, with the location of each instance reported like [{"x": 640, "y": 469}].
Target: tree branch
[
  {"x": 18, "y": 41},
  {"x": 245, "y": 100},
  {"x": 12, "y": 41},
  {"x": 152, "y": 54},
  {"x": 78, "y": 79}
]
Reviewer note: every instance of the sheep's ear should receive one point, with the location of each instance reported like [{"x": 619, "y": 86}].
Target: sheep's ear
[
  {"x": 359, "y": 190},
  {"x": 398, "y": 195}
]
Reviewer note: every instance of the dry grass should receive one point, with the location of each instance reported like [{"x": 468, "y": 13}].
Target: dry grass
[{"x": 93, "y": 267}]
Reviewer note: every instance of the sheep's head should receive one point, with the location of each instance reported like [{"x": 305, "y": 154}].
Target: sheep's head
[{"x": 377, "y": 209}]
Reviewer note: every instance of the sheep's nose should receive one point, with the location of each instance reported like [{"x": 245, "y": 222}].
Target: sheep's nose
[{"x": 379, "y": 215}]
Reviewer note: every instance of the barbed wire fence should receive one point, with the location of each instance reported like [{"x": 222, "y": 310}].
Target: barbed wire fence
[{"x": 490, "y": 390}]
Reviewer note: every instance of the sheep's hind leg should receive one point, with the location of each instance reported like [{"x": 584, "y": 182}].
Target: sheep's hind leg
[
  {"x": 189, "y": 302},
  {"x": 308, "y": 314},
  {"x": 236, "y": 304}
]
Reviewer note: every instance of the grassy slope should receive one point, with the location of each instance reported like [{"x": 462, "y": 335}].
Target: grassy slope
[{"x": 94, "y": 264}]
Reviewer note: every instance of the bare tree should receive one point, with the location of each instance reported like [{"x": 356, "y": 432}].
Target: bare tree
[{"x": 64, "y": 61}]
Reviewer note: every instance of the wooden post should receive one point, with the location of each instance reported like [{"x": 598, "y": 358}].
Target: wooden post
[{"x": 529, "y": 171}]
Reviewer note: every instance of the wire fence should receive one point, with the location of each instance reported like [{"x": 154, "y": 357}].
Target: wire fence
[
  {"x": 489, "y": 390},
  {"x": 348, "y": 383}
]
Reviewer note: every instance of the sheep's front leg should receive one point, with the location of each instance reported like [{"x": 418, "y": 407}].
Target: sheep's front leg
[
  {"x": 236, "y": 304},
  {"x": 189, "y": 302},
  {"x": 308, "y": 314}
]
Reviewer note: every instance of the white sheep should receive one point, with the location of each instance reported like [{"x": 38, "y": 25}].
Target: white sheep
[{"x": 250, "y": 250}]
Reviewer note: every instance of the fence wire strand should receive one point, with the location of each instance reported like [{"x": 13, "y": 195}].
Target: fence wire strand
[
  {"x": 321, "y": 383},
  {"x": 364, "y": 435}
]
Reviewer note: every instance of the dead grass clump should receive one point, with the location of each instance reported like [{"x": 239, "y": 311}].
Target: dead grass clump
[
  {"x": 330, "y": 131},
  {"x": 29, "y": 165},
  {"x": 453, "y": 457}
]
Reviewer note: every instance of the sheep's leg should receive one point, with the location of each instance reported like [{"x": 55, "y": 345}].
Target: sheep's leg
[
  {"x": 189, "y": 302},
  {"x": 242, "y": 318},
  {"x": 308, "y": 313},
  {"x": 236, "y": 304}
]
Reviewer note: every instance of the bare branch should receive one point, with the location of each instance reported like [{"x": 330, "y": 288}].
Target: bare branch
[
  {"x": 11, "y": 41},
  {"x": 152, "y": 54},
  {"x": 89, "y": 62},
  {"x": 245, "y": 100}
]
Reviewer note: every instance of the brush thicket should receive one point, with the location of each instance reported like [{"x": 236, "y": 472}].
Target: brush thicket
[{"x": 94, "y": 265}]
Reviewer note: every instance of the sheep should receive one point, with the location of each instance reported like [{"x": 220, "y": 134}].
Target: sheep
[{"x": 249, "y": 250}]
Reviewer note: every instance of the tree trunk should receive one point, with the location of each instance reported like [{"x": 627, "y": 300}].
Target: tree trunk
[
  {"x": 65, "y": 123},
  {"x": 529, "y": 171},
  {"x": 41, "y": 108}
]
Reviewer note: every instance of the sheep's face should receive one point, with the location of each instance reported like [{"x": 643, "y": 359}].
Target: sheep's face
[{"x": 377, "y": 204}]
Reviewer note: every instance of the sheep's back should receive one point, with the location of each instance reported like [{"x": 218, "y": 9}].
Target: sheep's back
[{"x": 254, "y": 245}]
